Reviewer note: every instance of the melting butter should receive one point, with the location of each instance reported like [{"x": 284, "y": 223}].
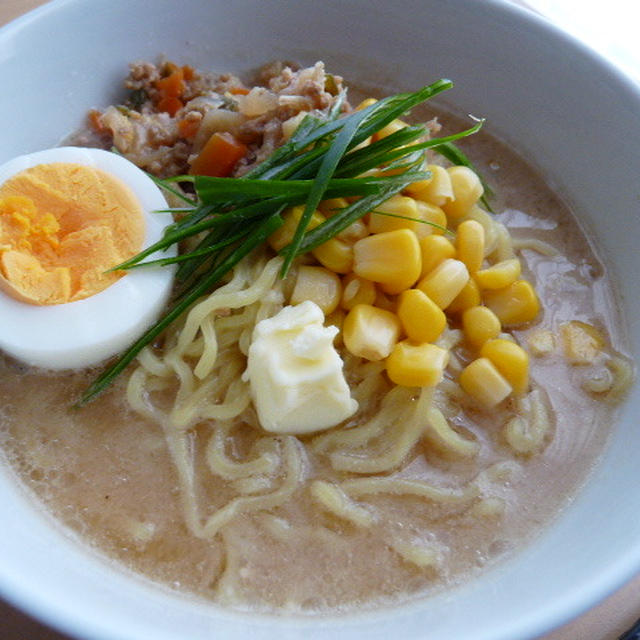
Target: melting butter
[{"x": 295, "y": 374}]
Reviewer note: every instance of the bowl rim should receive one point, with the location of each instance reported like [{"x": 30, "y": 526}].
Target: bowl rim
[{"x": 556, "y": 613}]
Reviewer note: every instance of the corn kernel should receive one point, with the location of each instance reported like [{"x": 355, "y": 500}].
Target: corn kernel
[
  {"x": 367, "y": 102},
  {"x": 470, "y": 244},
  {"x": 391, "y": 258},
  {"x": 416, "y": 365},
  {"x": 499, "y": 275},
  {"x": 438, "y": 190},
  {"x": 483, "y": 382},
  {"x": 428, "y": 218},
  {"x": 395, "y": 206},
  {"x": 365, "y": 143},
  {"x": 336, "y": 319},
  {"x": 582, "y": 342},
  {"x": 354, "y": 232},
  {"x": 284, "y": 235},
  {"x": 421, "y": 318},
  {"x": 356, "y": 290},
  {"x": 318, "y": 285},
  {"x": 467, "y": 298},
  {"x": 467, "y": 190},
  {"x": 331, "y": 206},
  {"x": 392, "y": 127},
  {"x": 415, "y": 189},
  {"x": 478, "y": 214},
  {"x": 445, "y": 282},
  {"x": 511, "y": 360},
  {"x": 369, "y": 332},
  {"x": 435, "y": 221},
  {"x": 515, "y": 304},
  {"x": 434, "y": 249},
  {"x": 335, "y": 255},
  {"x": 479, "y": 325}
]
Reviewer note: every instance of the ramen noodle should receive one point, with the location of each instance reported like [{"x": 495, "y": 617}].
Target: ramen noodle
[{"x": 171, "y": 471}]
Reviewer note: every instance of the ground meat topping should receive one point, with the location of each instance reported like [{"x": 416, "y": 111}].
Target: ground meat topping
[{"x": 172, "y": 112}]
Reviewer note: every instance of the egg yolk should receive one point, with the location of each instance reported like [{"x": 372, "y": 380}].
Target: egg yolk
[{"x": 62, "y": 225}]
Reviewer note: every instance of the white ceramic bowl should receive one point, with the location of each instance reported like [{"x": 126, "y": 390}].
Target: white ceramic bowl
[{"x": 572, "y": 115}]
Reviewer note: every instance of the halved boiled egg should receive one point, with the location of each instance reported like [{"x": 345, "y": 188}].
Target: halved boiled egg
[{"x": 67, "y": 215}]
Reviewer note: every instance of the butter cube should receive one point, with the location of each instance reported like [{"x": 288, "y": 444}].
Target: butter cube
[{"x": 295, "y": 374}]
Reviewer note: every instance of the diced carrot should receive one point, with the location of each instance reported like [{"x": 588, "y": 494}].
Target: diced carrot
[
  {"x": 172, "y": 86},
  {"x": 188, "y": 128},
  {"x": 239, "y": 91},
  {"x": 170, "y": 104},
  {"x": 219, "y": 156},
  {"x": 187, "y": 72}
]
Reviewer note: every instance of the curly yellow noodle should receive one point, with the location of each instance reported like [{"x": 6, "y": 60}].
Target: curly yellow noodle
[
  {"x": 177, "y": 443},
  {"x": 227, "y": 587},
  {"x": 195, "y": 349},
  {"x": 198, "y": 405},
  {"x": 252, "y": 484},
  {"x": 533, "y": 244},
  {"x": 407, "y": 430},
  {"x": 440, "y": 434},
  {"x": 599, "y": 381},
  {"x": 418, "y": 554},
  {"x": 450, "y": 397},
  {"x": 228, "y": 297},
  {"x": 371, "y": 386},
  {"x": 501, "y": 472},
  {"x": 209, "y": 349},
  {"x": 610, "y": 381},
  {"x": 184, "y": 372},
  {"x": 213, "y": 390},
  {"x": 276, "y": 526},
  {"x": 293, "y": 462},
  {"x": 391, "y": 404},
  {"x": 137, "y": 395},
  {"x": 526, "y": 432},
  {"x": 336, "y": 501},
  {"x": 490, "y": 228},
  {"x": 266, "y": 461},
  {"x": 504, "y": 248},
  {"x": 623, "y": 376},
  {"x": 182, "y": 456},
  {"x": 211, "y": 304},
  {"x": 358, "y": 487},
  {"x": 152, "y": 364}
]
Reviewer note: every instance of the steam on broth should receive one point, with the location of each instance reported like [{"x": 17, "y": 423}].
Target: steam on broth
[{"x": 171, "y": 472}]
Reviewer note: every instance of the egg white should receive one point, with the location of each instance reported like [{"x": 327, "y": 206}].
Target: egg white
[{"x": 85, "y": 332}]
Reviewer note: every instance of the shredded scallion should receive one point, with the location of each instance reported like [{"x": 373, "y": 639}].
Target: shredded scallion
[{"x": 230, "y": 217}]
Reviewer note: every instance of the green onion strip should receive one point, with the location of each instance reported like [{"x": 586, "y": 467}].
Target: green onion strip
[{"x": 324, "y": 158}]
